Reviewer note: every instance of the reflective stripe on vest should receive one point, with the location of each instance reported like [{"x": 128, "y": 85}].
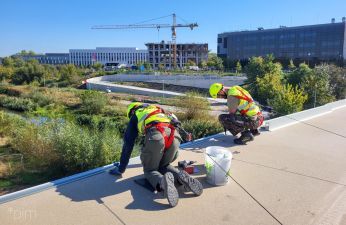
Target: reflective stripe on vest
[
  {"x": 246, "y": 104},
  {"x": 150, "y": 114}
]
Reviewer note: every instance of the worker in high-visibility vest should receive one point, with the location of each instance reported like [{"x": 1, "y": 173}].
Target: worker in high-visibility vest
[
  {"x": 244, "y": 115},
  {"x": 160, "y": 148}
]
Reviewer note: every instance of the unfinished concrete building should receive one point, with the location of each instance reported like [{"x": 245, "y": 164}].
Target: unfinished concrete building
[{"x": 161, "y": 54}]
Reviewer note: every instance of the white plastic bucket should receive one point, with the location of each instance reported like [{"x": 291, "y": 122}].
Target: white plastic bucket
[{"x": 217, "y": 163}]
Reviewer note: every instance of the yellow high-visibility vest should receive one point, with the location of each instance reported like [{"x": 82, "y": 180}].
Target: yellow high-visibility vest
[
  {"x": 144, "y": 117},
  {"x": 246, "y": 104}
]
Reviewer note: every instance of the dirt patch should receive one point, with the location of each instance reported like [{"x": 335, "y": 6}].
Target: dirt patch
[{"x": 3, "y": 141}]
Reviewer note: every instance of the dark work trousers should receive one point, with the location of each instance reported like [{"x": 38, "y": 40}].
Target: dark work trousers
[
  {"x": 238, "y": 123},
  {"x": 155, "y": 159}
]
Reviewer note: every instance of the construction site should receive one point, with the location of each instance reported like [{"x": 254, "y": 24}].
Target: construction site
[{"x": 163, "y": 147}]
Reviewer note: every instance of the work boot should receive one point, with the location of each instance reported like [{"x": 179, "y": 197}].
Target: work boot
[
  {"x": 190, "y": 183},
  {"x": 169, "y": 190},
  {"x": 255, "y": 132},
  {"x": 246, "y": 136}
]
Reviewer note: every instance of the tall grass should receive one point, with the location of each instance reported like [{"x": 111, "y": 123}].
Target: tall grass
[
  {"x": 202, "y": 128},
  {"x": 93, "y": 102},
  {"x": 193, "y": 106},
  {"x": 17, "y": 104},
  {"x": 61, "y": 145}
]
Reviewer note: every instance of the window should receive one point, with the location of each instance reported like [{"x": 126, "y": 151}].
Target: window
[
  {"x": 219, "y": 40},
  {"x": 225, "y": 42}
]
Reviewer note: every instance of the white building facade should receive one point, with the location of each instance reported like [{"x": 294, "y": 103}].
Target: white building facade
[{"x": 127, "y": 56}]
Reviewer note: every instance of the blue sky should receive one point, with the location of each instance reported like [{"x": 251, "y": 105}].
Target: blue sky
[{"x": 57, "y": 26}]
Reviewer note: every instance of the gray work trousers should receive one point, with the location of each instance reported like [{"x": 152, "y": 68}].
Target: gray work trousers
[{"x": 155, "y": 159}]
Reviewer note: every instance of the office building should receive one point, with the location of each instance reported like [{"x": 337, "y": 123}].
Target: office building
[
  {"x": 322, "y": 42},
  {"x": 49, "y": 58},
  {"x": 127, "y": 56}
]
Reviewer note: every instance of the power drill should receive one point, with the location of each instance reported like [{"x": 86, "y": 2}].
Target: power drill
[{"x": 185, "y": 163}]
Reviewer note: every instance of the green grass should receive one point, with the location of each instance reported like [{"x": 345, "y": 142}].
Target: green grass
[
  {"x": 6, "y": 184},
  {"x": 25, "y": 179}
]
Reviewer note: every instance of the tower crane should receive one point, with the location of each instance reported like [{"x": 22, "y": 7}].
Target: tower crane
[{"x": 173, "y": 27}]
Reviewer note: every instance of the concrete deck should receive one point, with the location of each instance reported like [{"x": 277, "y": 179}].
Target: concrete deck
[{"x": 297, "y": 174}]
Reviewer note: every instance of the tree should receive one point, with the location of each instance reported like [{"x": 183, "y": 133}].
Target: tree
[
  {"x": 337, "y": 81},
  {"x": 69, "y": 73},
  {"x": 214, "y": 61},
  {"x": 228, "y": 63},
  {"x": 288, "y": 99},
  {"x": 26, "y": 53},
  {"x": 266, "y": 68},
  {"x": 291, "y": 65},
  {"x": 190, "y": 63},
  {"x": 202, "y": 64},
  {"x": 297, "y": 75},
  {"x": 147, "y": 65},
  {"x": 161, "y": 67},
  {"x": 316, "y": 86},
  {"x": 7, "y": 61},
  {"x": 29, "y": 72},
  {"x": 267, "y": 87},
  {"x": 238, "y": 67},
  {"x": 6, "y": 72},
  {"x": 97, "y": 66},
  {"x": 259, "y": 66},
  {"x": 93, "y": 102}
]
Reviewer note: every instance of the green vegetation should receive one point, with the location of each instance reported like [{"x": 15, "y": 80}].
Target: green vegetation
[
  {"x": 93, "y": 102},
  {"x": 299, "y": 88},
  {"x": 62, "y": 131}
]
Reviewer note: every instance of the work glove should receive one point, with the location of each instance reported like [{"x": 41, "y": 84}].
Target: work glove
[{"x": 115, "y": 171}]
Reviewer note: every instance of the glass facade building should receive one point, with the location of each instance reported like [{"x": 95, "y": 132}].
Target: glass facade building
[{"x": 323, "y": 42}]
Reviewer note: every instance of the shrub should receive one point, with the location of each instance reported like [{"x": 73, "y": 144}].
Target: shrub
[
  {"x": 39, "y": 98},
  {"x": 118, "y": 124},
  {"x": 288, "y": 100},
  {"x": 8, "y": 123},
  {"x": 317, "y": 87},
  {"x": 29, "y": 72},
  {"x": 11, "y": 91},
  {"x": 83, "y": 149},
  {"x": 193, "y": 106},
  {"x": 18, "y": 104},
  {"x": 35, "y": 143},
  {"x": 202, "y": 128},
  {"x": 93, "y": 102},
  {"x": 65, "y": 146}
]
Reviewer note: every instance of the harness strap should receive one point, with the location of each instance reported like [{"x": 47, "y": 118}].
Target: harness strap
[
  {"x": 260, "y": 122},
  {"x": 159, "y": 110},
  {"x": 161, "y": 128},
  {"x": 246, "y": 98}
]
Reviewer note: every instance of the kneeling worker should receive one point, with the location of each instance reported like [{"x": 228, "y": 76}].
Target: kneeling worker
[
  {"x": 244, "y": 115},
  {"x": 160, "y": 148}
]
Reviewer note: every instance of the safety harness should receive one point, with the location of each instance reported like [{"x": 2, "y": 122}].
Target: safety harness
[
  {"x": 250, "y": 101},
  {"x": 246, "y": 98},
  {"x": 161, "y": 128}
]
